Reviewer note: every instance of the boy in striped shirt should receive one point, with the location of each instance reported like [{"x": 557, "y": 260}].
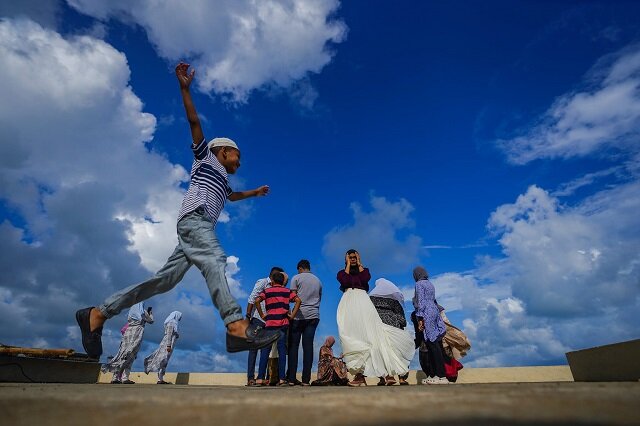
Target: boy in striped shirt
[
  {"x": 276, "y": 300},
  {"x": 197, "y": 242}
]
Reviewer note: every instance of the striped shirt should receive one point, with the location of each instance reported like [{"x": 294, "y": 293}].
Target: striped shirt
[
  {"x": 258, "y": 288},
  {"x": 276, "y": 299},
  {"x": 209, "y": 185}
]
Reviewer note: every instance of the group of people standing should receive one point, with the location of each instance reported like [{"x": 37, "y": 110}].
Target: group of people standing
[
  {"x": 373, "y": 333},
  {"x": 372, "y": 327},
  {"x": 132, "y": 333},
  {"x": 269, "y": 307}
]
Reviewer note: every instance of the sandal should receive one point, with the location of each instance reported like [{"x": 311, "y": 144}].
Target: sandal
[
  {"x": 403, "y": 382},
  {"x": 358, "y": 380},
  {"x": 390, "y": 381},
  {"x": 382, "y": 382},
  {"x": 251, "y": 383},
  {"x": 283, "y": 383}
]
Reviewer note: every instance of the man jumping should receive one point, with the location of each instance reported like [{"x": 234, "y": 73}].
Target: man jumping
[{"x": 197, "y": 242}]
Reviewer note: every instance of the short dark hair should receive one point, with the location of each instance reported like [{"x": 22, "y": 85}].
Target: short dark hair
[
  {"x": 278, "y": 278},
  {"x": 351, "y": 251},
  {"x": 304, "y": 264},
  {"x": 275, "y": 269}
]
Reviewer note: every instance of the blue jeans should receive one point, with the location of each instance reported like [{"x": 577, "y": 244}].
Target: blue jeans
[
  {"x": 253, "y": 354},
  {"x": 305, "y": 329},
  {"x": 282, "y": 355},
  {"x": 197, "y": 245}
]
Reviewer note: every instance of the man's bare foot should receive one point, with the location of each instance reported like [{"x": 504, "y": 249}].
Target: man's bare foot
[
  {"x": 96, "y": 319},
  {"x": 238, "y": 328}
]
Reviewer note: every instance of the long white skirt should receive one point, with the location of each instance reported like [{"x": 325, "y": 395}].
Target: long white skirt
[{"x": 370, "y": 346}]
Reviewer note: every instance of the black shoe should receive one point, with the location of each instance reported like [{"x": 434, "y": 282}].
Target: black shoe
[
  {"x": 91, "y": 340},
  {"x": 295, "y": 382},
  {"x": 128, "y": 382},
  {"x": 116, "y": 382},
  {"x": 257, "y": 338},
  {"x": 162, "y": 382}
]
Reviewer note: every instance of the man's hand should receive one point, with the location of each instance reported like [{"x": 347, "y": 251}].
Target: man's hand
[
  {"x": 262, "y": 191},
  {"x": 168, "y": 348},
  {"x": 184, "y": 76},
  {"x": 421, "y": 325}
]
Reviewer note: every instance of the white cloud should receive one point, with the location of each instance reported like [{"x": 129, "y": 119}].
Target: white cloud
[
  {"x": 604, "y": 115},
  {"x": 380, "y": 236},
  {"x": 234, "y": 284},
  {"x": 568, "y": 279},
  {"x": 236, "y": 46},
  {"x": 92, "y": 208}
]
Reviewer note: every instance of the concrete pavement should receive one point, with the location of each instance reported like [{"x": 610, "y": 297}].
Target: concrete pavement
[{"x": 459, "y": 404}]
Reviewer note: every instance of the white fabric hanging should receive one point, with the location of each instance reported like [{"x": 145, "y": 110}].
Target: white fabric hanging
[{"x": 369, "y": 346}]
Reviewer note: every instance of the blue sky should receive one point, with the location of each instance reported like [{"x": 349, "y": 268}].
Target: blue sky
[{"x": 495, "y": 143}]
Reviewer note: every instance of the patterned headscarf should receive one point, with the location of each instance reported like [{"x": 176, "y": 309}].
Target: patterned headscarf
[
  {"x": 173, "y": 318},
  {"x": 419, "y": 273}
]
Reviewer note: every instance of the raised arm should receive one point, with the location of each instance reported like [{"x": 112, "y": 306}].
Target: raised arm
[{"x": 185, "y": 78}]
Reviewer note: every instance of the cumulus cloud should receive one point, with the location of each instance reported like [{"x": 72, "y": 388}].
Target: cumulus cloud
[
  {"x": 236, "y": 46},
  {"x": 382, "y": 237},
  {"x": 568, "y": 279},
  {"x": 90, "y": 206},
  {"x": 604, "y": 115}
]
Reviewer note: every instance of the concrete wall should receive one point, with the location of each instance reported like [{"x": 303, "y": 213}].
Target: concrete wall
[{"x": 560, "y": 373}]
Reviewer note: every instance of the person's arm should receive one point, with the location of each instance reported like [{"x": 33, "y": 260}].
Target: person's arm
[
  {"x": 296, "y": 307},
  {"x": 249, "y": 310},
  {"x": 184, "y": 79},
  {"x": 241, "y": 195},
  {"x": 258, "y": 288},
  {"x": 343, "y": 279},
  {"x": 147, "y": 316},
  {"x": 258, "y": 307},
  {"x": 360, "y": 267},
  {"x": 172, "y": 340}
]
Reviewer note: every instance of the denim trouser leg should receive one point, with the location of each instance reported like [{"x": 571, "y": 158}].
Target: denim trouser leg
[
  {"x": 253, "y": 354},
  {"x": 197, "y": 237},
  {"x": 282, "y": 353},
  {"x": 198, "y": 245},
  {"x": 295, "y": 333},
  {"x": 308, "y": 334},
  {"x": 164, "y": 280},
  {"x": 264, "y": 359},
  {"x": 305, "y": 330},
  {"x": 251, "y": 364}
]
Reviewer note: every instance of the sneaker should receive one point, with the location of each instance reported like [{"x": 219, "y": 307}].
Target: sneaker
[
  {"x": 427, "y": 380},
  {"x": 439, "y": 381}
]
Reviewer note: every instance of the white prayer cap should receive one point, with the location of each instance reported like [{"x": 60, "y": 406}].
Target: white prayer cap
[{"x": 214, "y": 143}]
